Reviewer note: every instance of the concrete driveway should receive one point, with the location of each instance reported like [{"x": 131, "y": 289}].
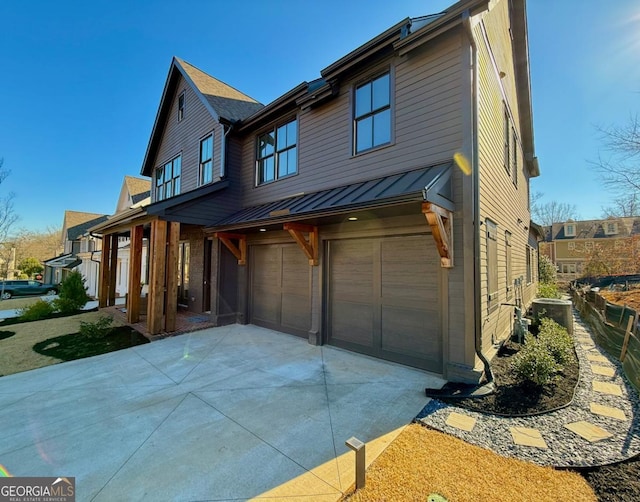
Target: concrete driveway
[{"x": 229, "y": 413}]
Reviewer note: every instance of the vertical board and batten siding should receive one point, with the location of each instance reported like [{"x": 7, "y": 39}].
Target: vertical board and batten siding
[
  {"x": 184, "y": 137},
  {"x": 427, "y": 128},
  {"x": 500, "y": 200}
]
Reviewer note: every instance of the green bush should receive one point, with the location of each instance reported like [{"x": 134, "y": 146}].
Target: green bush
[
  {"x": 546, "y": 270},
  {"x": 534, "y": 362},
  {"x": 556, "y": 339},
  {"x": 98, "y": 329},
  {"x": 36, "y": 311},
  {"x": 548, "y": 290},
  {"x": 73, "y": 293}
]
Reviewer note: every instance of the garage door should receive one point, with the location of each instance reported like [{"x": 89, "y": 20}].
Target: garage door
[
  {"x": 280, "y": 288},
  {"x": 383, "y": 299}
]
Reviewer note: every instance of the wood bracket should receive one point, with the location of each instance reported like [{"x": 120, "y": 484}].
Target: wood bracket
[
  {"x": 310, "y": 247},
  {"x": 239, "y": 251},
  {"x": 441, "y": 222}
]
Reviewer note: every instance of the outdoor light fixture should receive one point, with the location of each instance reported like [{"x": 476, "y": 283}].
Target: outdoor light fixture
[
  {"x": 263, "y": 229},
  {"x": 359, "y": 447},
  {"x": 352, "y": 218}
]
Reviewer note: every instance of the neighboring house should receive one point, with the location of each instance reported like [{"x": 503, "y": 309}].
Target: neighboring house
[
  {"x": 337, "y": 212},
  {"x": 603, "y": 247},
  {"x": 74, "y": 226},
  {"x": 135, "y": 193}
]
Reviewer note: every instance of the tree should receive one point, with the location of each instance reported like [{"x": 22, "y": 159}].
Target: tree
[
  {"x": 620, "y": 170},
  {"x": 30, "y": 266},
  {"x": 623, "y": 207},
  {"x": 7, "y": 218},
  {"x": 551, "y": 212}
]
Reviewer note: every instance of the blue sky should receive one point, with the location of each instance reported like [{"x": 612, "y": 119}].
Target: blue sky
[{"x": 81, "y": 82}]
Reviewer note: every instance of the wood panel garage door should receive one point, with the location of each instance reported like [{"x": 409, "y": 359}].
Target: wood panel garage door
[
  {"x": 383, "y": 299},
  {"x": 280, "y": 288}
]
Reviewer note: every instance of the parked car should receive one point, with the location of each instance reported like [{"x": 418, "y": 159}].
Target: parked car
[{"x": 26, "y": 287}]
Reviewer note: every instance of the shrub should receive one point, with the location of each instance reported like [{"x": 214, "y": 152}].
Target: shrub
[
  {"x": 36, "y": 311},
  {"x": 98, "y": 329},
  {"x": 546, "y": 270},
  {"x": 64, "y": 305},
  {"x": 556, "y": 339},
  {"x": 548, "y": 290},
  {"x": 73, "y": 293},
  {"x": 534, "y": 362}
]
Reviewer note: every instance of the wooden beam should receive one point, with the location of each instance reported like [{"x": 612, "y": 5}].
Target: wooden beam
[
  {"x": 103, "y": 292},
  {"x": 113, "y": 269},
  {"x": 171, "y": 309},
  {"x": 157, "y": 271},
  {"x": 239, "y": 251},
  {"x": 135, "y": 274},
  {"x": 441, "y": 222},
  {"x": 310, "y": 247}
]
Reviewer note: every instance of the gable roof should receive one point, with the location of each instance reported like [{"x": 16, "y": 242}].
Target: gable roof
[
  {"x": 77, "y": 223},
  {"x": 139, "y": 188},
  {"x": 223, "y": 102}
]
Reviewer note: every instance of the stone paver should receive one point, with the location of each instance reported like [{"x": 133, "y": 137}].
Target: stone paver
[
  {"x": 607, "y": 411},
  {"x": 525, "y": 436},
  {"x": 603, "y": 370},
  {"x": 588, "y": 431},
  {"x": 607, "y": 388},
  {"x": 597, "y": 358},
  {"x": 460, "y": 421}
]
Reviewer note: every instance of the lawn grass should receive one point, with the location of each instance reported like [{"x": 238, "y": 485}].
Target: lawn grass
[
  {"x": 18, "y": 303},
  {"x": 421, "y": 462},
  {"x": 17, "y": 352}
]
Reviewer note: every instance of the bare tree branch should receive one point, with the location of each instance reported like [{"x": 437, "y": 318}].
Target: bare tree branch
[
  {"x": 620, "y": 171},
  {"x": 552, "y": 212}
]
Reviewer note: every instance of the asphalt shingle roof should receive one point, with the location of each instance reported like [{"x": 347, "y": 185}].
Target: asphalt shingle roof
[{"x": 229, "y": 103}]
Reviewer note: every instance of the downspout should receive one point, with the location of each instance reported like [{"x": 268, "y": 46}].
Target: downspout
[
  {"x": 466, "y": 22},
  {"x": 223, "y": 150},
  {"x": 95, "y": 236}
]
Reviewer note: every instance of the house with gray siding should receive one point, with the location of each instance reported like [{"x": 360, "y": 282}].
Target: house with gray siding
[{"x": 381, "y": 207}]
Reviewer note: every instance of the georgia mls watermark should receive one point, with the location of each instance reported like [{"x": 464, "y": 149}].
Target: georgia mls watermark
[{"x": 27, "y": 489}]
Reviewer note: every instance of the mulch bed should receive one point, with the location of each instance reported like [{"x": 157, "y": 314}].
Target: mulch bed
[
  {"x": 77, "y": 346},
  {"x": 616, "y": 482}
]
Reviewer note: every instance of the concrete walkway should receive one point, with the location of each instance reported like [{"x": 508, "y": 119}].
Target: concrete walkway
[{"x": 229, "y": 413}]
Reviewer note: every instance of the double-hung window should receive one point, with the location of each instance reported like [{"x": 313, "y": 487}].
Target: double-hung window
[
  {"x": 277, "y": 153},
  {"x": 168, "y": 179},
  {"x": 372, "y": 113},
  {"x": 206, "y": 160}
]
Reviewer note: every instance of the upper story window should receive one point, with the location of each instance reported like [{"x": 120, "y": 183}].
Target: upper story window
[
  {"x": 510, "y": 139},
  {"x": 206, "y": 160},
  {"x": 372, "y": 113},
  {"x": 168, "y": 179},
  {"x": 570, "y": 230},
  {"x": 181, "y": 103},
  {"x": 611, "y": 228},
  {"x": 277, "y": 153}
]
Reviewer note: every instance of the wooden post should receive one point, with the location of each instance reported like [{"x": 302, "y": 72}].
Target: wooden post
[
  {"x": 103, "y": 292},
  {"x": 631, "y": 327},
  {"x": 135, "y": 275},
  {"x": 113, "y": 269},
  {"x": 622, "y": 315},
  {"x": 171, "y": 308},
  {"x": 157, "y": 264}
]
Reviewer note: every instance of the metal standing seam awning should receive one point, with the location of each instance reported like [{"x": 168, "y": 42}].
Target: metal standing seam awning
[{"x": 431, "y": 185}]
